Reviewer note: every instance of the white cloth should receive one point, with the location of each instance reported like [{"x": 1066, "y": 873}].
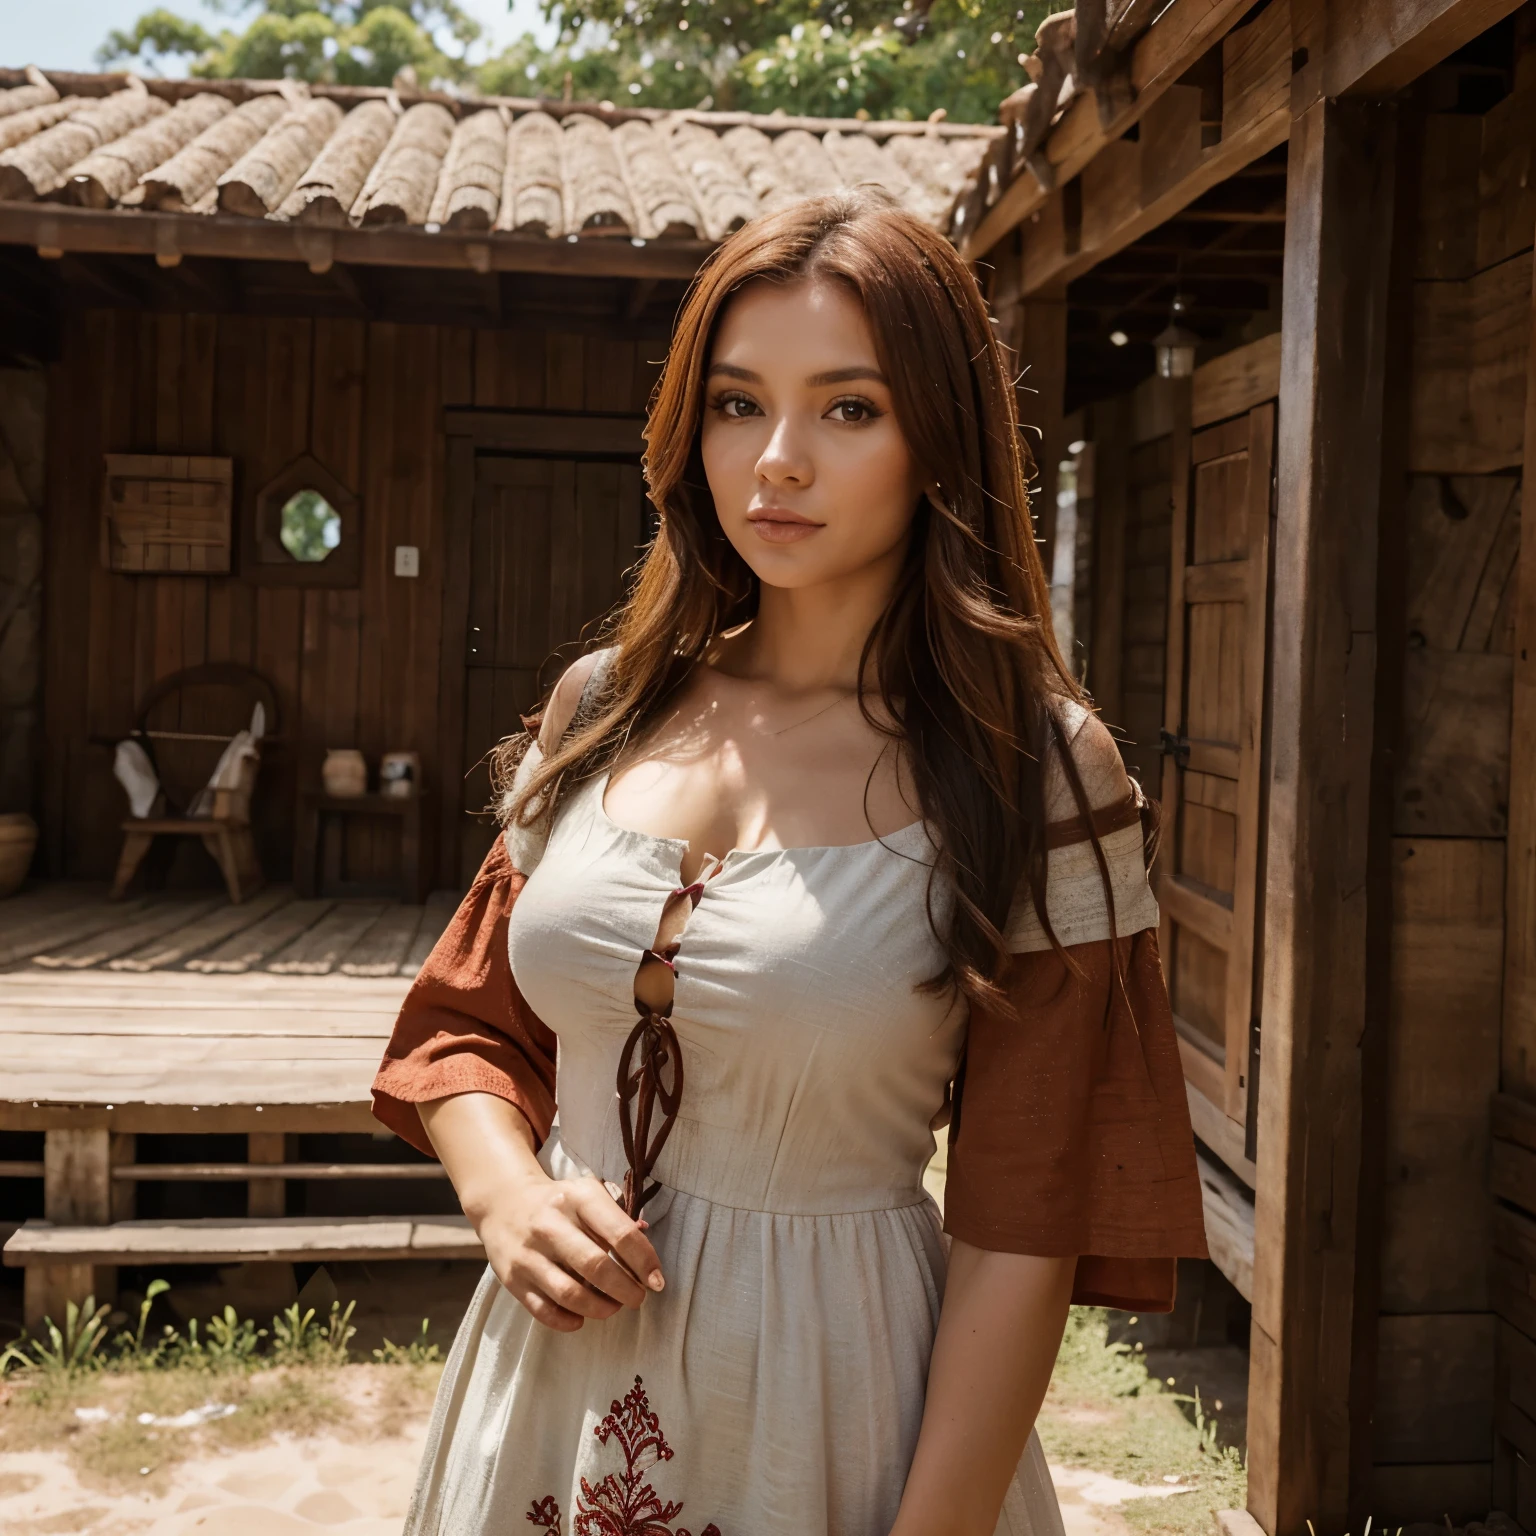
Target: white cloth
[
  {"x": 136, "y": 773},
  {"x": 776, "y": 1386}
]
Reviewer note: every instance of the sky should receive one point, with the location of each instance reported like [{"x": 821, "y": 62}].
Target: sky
[{"x": 65, "y": 34}]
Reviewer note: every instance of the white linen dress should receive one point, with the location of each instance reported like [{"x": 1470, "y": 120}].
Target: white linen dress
[{"x": 776, "y": 1386}]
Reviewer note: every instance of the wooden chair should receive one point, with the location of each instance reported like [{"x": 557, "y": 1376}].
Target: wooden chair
[{"x": 192, "y": 715}]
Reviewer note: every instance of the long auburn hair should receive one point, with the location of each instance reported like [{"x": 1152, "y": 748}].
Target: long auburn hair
[{"x": 966, "y": 663}]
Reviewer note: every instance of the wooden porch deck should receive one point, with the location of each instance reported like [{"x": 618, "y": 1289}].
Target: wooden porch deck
[
  {"x": 70, "y": 928},
  {"x": 181, "y": 1014},
  {"x": 142, "y": 1015}
]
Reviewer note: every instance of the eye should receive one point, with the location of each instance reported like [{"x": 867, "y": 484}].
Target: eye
[
  {"x": 735, "y": 406},
  {"x": 853, "y": 409}
]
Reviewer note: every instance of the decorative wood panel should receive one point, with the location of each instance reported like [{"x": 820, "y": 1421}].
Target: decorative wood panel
[
  {"x": 165, "y": 513},
  {"x": 1214, "y": 717}
]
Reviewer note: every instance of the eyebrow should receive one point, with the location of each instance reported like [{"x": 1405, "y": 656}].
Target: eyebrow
[{"x": 834, "y": 376}]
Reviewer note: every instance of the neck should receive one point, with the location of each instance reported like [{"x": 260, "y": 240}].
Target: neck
[{"x": 809, "y": 638}]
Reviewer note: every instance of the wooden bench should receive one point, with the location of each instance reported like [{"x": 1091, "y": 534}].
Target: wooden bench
[{"x": 241, "y": 1239}]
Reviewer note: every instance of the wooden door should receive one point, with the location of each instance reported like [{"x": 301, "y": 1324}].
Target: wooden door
[
  {"x": 550, "y": 541},
  {"x": 1211, "y": 867}
]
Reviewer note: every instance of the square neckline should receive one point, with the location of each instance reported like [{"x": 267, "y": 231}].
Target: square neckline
[{"x": 682, "y": 846}]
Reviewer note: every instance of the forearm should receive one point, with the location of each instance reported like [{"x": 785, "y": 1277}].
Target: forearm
[
  {"x": 485, "y": 1143},
  {"x": 999, "y": 1331}
]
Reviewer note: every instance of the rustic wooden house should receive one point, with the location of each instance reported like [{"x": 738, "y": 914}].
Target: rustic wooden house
[{"x": 1269, "y": 269}]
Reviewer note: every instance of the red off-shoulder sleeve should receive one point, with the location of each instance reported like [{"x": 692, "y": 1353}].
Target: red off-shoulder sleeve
[
  {"x": 464, "y": 1026},
  {"x": 1074, "y": 1135}
]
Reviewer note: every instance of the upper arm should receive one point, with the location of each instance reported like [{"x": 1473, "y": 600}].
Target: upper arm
[
  {"x": 1097, "y": 760},
  {"x": 561, "y": 709}
]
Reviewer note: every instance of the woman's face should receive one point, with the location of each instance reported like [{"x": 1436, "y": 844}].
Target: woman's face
[{"x": 811, "y": 476}]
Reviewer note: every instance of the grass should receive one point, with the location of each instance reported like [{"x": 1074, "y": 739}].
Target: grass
[
  {"x": 99, "y": 1395},
  {"x": 1105, "y": 1411},
  {"x": 297, "y": 1377}
]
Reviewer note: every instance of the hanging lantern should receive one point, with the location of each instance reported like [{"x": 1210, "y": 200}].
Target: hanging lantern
[{"x": 1176, "y": 343}]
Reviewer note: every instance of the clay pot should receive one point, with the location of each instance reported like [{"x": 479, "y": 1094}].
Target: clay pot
[
  {"x": 344, "y": 773},
  {"x": 18, "y": 842}
]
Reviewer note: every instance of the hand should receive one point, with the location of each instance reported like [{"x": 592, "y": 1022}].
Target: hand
[
  {"x": 565, "y": 1250},
  {"x": 562, "y": 1247}
]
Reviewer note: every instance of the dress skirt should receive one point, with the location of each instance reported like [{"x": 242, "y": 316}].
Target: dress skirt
[{"x": 774, "y": 1388}]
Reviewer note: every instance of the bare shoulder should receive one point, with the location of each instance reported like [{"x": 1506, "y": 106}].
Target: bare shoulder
[
  {"x": 1096, "y": 758},
  {"x": 565, "y": 697}
]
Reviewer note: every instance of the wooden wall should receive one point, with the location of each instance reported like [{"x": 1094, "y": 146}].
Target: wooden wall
[
  {"x": 1435, "y": 1445},
  {"x": 353, "y": 667}
]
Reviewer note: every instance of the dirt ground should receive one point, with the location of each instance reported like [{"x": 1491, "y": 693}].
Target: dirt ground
[{"x": 312, "y": 1449}]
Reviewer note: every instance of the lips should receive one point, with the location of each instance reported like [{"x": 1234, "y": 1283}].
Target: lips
[{"x": 779, "y": 525}]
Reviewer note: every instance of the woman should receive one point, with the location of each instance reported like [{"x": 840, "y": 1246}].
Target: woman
[{"x": 825, "y": 829}]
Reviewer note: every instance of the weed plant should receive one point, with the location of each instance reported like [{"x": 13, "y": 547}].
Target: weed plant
[
  {"x": 1106, "y": 1411},
  {"x": 84, "y": 1344}
]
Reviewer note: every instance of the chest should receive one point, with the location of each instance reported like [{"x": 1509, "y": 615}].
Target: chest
[{"x": 832, "y": 939}]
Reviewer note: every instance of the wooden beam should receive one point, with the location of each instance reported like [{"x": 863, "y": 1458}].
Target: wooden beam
[
  {"x": 1131, "y": 188},
  {"x": 1164, "y": 52},
  {"x": 1376, "y": 47},
  {"x": 1310, "y": 1395},
  {"x": 1237, "y": 380},
  {"x": 1517, "y": 1070},
  {"x": 48, "y": 226}
]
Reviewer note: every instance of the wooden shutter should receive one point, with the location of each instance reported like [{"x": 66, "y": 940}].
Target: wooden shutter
[{"x": 1210, "y": 870}]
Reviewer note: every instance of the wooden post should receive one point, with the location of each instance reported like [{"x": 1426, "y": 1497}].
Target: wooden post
[
  {"x": 1311, "y": 1386},
  {"x": 1517, "y": 1073},
  {"x": 265, "y": 1197},
  {"x": 77, "y": 1191}
]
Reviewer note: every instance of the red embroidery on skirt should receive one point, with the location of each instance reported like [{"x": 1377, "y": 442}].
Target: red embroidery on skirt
[{"x": 623, "y": 1504}]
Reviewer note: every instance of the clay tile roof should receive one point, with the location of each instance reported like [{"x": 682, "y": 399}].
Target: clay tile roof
[{"x": 357, "y": 158}]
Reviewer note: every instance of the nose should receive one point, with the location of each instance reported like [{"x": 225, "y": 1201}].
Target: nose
[{"x": 785, "y": 459}]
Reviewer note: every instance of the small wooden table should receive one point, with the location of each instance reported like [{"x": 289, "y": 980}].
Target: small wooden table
[{"x": 315, "y": 806}]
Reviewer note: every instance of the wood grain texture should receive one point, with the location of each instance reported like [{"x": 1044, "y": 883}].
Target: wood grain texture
[
  {"x": 1182, "y": 33},
  {"x": 1310, "y": 1398},
  {"x": 1237, "y": 381},
  {"x": 1130, "y": 187},
  {"x": 1434, "y": 1388},
  {"x": 232, "y": 1240},
  {"x": 1471, "y": 340},
  {"x": 1518, "y": 1051},
  {"x": 1442, "y": 1070}
]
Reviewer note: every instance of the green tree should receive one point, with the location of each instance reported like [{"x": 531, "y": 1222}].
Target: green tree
[
  {"x": 350, "y": 42},
  {"x": 820, "y": 57}
]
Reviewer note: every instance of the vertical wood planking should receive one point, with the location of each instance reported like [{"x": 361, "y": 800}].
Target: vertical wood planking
[
  {"x": 1173, "y": 657},
  {"x": 1241, "y": 998},
  {"x": 1310, "y": 1396}
]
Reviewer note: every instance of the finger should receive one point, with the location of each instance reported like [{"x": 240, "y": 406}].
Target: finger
[
  {"x": 576, "y": 1252},
  {"x": 544, "y": 1311},
  {"x": 567, "y": 1291},
  {"x": 621, "y": 1236}
]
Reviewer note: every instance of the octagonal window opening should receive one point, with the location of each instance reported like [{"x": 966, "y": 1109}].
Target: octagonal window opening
[{"x": 309, "y": 526}]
